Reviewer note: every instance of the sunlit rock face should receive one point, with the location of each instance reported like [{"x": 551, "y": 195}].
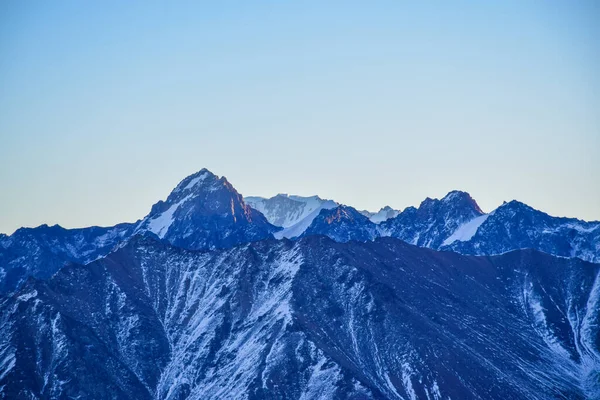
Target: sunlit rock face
[
  {"x": 305, "y": 319},
  {"x": 205, "y": 211}
]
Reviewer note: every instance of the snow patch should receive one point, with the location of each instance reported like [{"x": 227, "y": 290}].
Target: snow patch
[
  {"x": 196, "y": 180},
  {"x": 466, "y": 231},
  {"x": 540, "y": 323},
  {"x": 407, "y": 382},
  {"x": 161, "y": 223},
  {"x": 59, "y": 341},
  {"x": 322, "y": 381},
  {"x": 8, "y": 362},
  {"x": 436, "y": 391},
  {"x": 27, "y": 296},
  {"x": 591, "y": 320}
]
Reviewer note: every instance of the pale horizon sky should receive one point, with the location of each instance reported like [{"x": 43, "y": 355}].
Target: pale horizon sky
[{"x": 106, "y": 106}]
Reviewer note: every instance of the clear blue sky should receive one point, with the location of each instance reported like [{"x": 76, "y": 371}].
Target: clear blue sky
[{"x": 105, "y": 106}]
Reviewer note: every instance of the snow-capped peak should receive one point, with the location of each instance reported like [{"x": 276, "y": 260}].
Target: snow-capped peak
[
  {"x": 200, "y": 203},
  {"x": 201, "y": 181},
  {"x": 461, "y": 198},
  {"x": 466, "y": 231},
  {"x": 383, "y": 214},
  {"x": 191, "y": 181},
  {"x": 288, "y": 210}
]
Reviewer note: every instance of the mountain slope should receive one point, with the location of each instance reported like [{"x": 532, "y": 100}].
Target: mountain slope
[
  {"x": 41, "y": 251},
  {"x": 305, "y": 319}
]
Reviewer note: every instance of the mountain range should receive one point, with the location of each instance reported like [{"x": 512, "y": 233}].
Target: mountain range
[
  {"x": 453, "y": 223},
  {"x": 204, "y": 211},
  {"x": 213, "y": 295}
]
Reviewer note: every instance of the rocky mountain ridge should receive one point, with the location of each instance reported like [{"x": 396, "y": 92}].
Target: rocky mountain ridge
[{"x": 305, "y": 319}]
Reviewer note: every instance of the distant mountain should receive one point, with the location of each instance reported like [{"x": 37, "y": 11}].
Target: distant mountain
[
  {"x": 426, "y": 226},
  {"x": 342, "y": 224},
  {"x": 434, "y": 220},
  {"x": 293, "y": 213},
  {"x": 515, "y": 225},
  {"x": 296, "y": 213},
  {"x": 205, "y": 211},
  {"x": 456, "y": 223},
  {"x": 199, "y": 301},
  {"x": 41, "y": 251},
  {"x": 306, "y": 319},
  {"x": 383, "y": 214},
  {"x": 287, "y": 210}
]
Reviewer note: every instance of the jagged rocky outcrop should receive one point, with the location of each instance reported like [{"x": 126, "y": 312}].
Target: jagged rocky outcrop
[{"x": 311, "y": 318}]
